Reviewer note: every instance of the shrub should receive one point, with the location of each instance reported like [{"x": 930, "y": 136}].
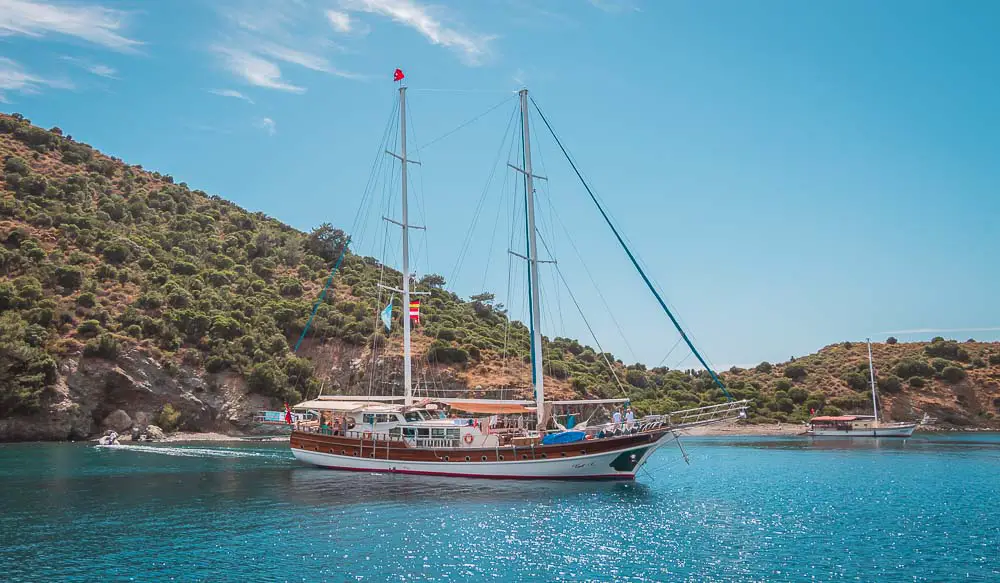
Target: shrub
[
  {"x": 940, "y": 364},
  {"x": 916, "y": 382},
  {"x": 953, "y": 374},
  {"x": 764, "y": 367},
  {"x": 89, "y": 328},
  {"x": 891, "y": 340},
  {"x": 68, "y": 277},
  {"x": 782, "y": 385},
  {"x": 795, "y": 371},
  {"x": 289, "y": 287},
  {"x": 636, "y": 378},
  {"x": 105, "y": 346},
  {"x": 169, "y": 418},
  {"x": 558, "y": 369},
  {"x": 798, "y": 394},
  {"x": 447, "y": 334},
  {"x": 947, "y": 349},
  {"x": 444, "y": 353},
  {"x": 856, "y": 381},
  {"x": 910, "y": 368},
  {"x": 785, "y": 404},
  {"x": 117, "y": 252},
  {"x": 185, "y": 268},
  {"x": 890, "y": 384},
  {"x": 267, "y": 378},
  {"x": 994, "y": 359},
  {"x": 832, "y": 410},
  {"x": 216, "y": 364},
  {"x": 86, "y": 300}
]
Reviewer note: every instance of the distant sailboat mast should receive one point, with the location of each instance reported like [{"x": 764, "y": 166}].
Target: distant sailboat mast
[{"x": 871, "y": 371}]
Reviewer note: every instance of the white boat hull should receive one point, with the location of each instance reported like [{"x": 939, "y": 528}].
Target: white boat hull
[
  {"x": 589, "y": 467},
  {"x": 900, "y": 430}
]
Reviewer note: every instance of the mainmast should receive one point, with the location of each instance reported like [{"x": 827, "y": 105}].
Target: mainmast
[
  {"x": 406, "y": 226},
  {"x": 871, "y": 371},
  {"x": 529, "y": 201}
]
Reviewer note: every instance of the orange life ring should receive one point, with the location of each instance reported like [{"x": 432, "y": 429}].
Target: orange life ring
[
  {"x": 468, "y": 439},
  {"x": 368, "y": 435}
]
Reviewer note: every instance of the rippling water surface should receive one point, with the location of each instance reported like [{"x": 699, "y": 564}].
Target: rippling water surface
[{"x": 774, "y": 509}]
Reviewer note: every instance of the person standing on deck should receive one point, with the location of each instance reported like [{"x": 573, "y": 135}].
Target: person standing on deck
[
  {"x": 616, "y": 419},
  {"x": 629, "y": 418}
]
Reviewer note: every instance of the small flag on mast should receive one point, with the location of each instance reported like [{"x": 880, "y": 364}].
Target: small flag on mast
[
  {"x": 398, "y": 75},
  {"x": 415, "y": 311},
  {"x": 387, "y": 315}
]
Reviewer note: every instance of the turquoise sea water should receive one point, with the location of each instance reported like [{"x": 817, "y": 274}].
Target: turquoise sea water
[{"x": 765, "y": 509}]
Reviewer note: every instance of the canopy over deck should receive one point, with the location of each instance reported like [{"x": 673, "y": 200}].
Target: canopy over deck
[
  {"x": 842, "y": 418},
  {"x": 344, "y": 406}
]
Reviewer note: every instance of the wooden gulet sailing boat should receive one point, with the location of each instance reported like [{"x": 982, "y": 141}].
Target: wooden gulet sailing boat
[
  {"x": 378, "y": 435},
  {"x": 860, "y": 425}
]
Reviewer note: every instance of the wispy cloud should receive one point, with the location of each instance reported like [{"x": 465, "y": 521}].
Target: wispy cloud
[
  {"x": 340, "y": 21},
  {"x": 260, "y": 34},
  {"x": 267, "y": 124},
  {"x": 230, "y": 93},
  {"x": 15, "y": 79},
  {"x": 93, "y": 68},
  {"x": 473, "y": 48},
  {"x": 942, "y": 330},
  {"x": 255, "y": 70},
  {"x": 92, "y": 23}
]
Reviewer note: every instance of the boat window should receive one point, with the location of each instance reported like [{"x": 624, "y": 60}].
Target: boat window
[
  {"x": 422, "y": 432},
  {"x": 412, "y": 416},
  {"x": 454, "y": 433},
  {"x": 409, "y": 432},
  {"x": 382, "y": 418},
  {"x": 395, "y": 432},
  {"x": 437, "y": 433},
  {"x": 368, "y": 418}
]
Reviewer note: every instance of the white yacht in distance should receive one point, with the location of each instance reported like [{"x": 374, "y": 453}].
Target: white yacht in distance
[{"x": 859, "y": 425}]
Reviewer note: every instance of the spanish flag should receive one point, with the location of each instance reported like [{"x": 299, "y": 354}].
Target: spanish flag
[{"x": 415, "y": 311}]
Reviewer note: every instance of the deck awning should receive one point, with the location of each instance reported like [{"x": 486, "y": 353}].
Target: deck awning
[
  {"x": 491, "y": 408},
  {"x": 343, "y": 406},
  {"x": 837, "y": 418}
]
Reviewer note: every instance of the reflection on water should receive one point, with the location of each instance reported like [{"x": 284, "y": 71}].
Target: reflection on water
[{"x": 746, "y": 509}]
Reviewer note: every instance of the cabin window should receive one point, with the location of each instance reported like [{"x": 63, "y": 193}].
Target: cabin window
[
  {"x": 411, "y": 416},
  {"x": 423, "y": 432},
  {"x": 395, "y": 432},
  {"x": 368, "y": 418},
  {"x": 410, "y": 432},
  {"x": 454, "y": 433},
  {"x": 437, "y": 433},
  {"x": 382, "y": 418}
]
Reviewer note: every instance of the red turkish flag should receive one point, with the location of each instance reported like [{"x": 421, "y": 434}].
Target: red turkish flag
[{"x": 398, "y": 75}]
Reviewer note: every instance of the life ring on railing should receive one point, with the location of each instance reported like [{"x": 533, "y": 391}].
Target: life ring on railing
[
  {"x": 468, "y": 439},
  {"x": 368, "y": 435}
]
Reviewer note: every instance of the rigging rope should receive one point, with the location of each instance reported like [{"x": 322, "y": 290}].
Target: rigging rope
[
  {"x": 329, "y": 280},
  {"x": 632, "y": 258},
  {"x": 464, "y": 124},
  {"x": 604, "y": 355}
]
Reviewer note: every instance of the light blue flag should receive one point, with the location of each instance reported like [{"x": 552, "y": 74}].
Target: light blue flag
[{"x": 387, "y": 316}]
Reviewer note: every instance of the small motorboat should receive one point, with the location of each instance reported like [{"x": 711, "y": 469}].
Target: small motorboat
[{"x": 110, "y": 439}]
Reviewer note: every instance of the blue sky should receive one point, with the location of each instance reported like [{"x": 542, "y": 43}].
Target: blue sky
[{"x": 792, "y": 173}]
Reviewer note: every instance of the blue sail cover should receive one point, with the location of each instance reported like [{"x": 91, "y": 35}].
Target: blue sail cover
[{"x": 563, "y": 437}]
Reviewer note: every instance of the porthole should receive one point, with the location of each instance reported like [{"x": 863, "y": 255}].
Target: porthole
[
  {"x": 343, "y": 452},
  {"x": 445, "y": 458},
  {"x": 467, "y": 458},
  {"x": 484, "y": 458},
  {"x": 583, "y": 452},
  {"x": 501, "y": 458},
  {"x": 563, "y": 454},
  {"x": 545, "y": 456},
  {"x": 524, "y": 456}
]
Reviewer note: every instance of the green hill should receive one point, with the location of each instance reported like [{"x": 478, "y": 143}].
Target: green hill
[{"x": 122, "y": 289}]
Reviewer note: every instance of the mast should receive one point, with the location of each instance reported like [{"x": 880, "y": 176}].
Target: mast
[
  {"x": 404, "y": 223},
  {"x": 407, "y": 368},
  {"x": 529, "y": 200},
  {"x": 871, "y": 371}
]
